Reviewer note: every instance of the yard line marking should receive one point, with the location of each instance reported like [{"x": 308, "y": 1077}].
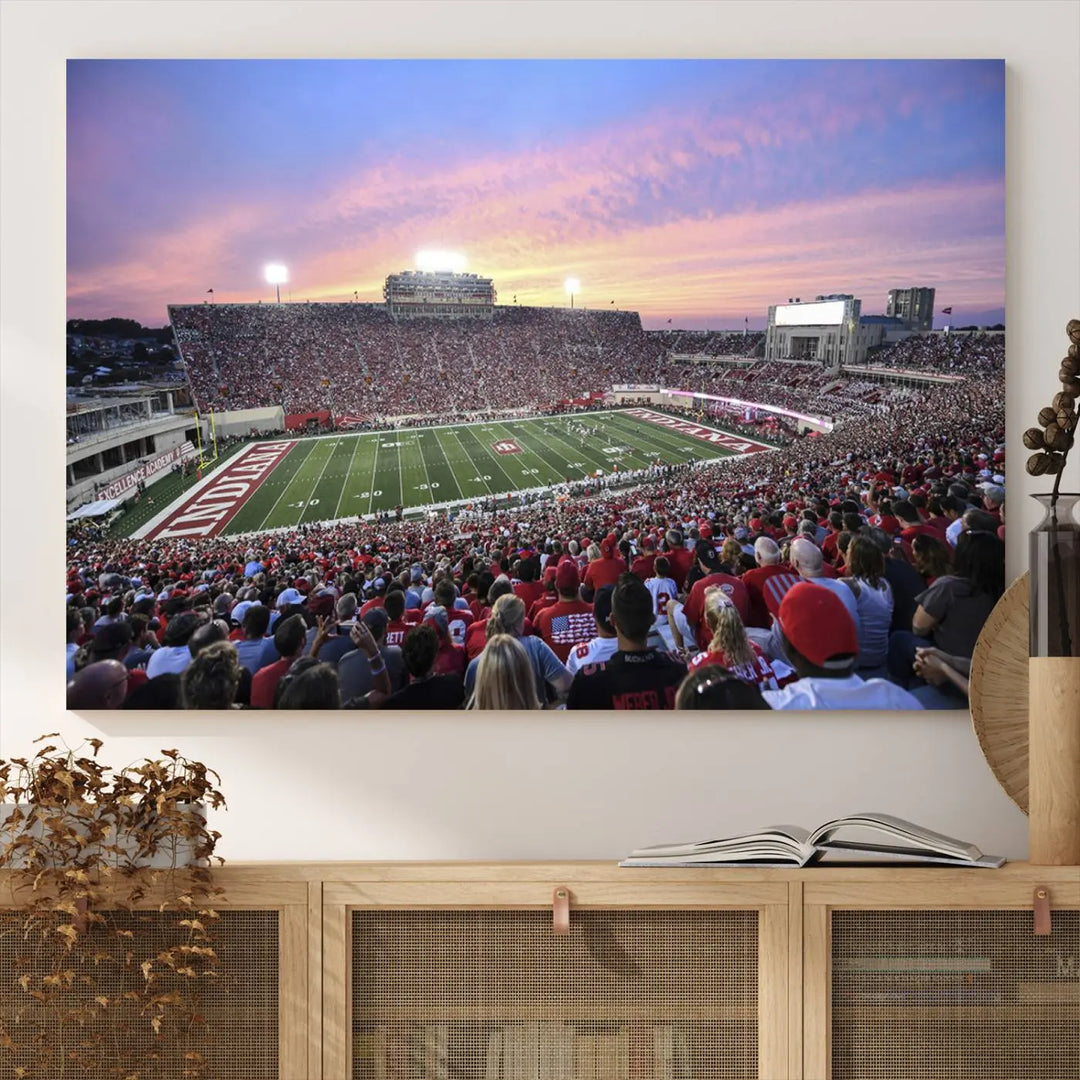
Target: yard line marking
[
  {"x": 479, "y": 471},
  {"x": 270, "y": 512},
  {"x": 318, "y": 481},
  {"x": 453, "y": 471},
  {"x": 423, "y": 458},
  {"x": 400, "y": 475},
  {"x": 374, "y": 466},
  {"x": 348, "y": 474}
]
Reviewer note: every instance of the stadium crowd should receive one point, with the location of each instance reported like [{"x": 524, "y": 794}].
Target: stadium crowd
[
  {"x": 353, "y": 359},
  {"x": 853, "y": 569},
  {"x": 972, "y": 353}
]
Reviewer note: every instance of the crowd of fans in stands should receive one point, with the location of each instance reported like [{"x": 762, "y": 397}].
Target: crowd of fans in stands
[
  {"x": 354, "y": 359},
  {"x": 973, "y": 353},
  {"x": 852, "y": 569}
]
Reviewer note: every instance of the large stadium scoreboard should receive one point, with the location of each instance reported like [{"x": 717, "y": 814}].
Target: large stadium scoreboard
[
  {"x": 824, "y": 330},
  {"x": 439, "y": 294}
]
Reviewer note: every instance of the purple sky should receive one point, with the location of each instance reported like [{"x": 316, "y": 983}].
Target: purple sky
[{"x": 696, "y": 191}]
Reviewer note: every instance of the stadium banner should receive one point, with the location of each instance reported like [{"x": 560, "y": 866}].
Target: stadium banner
[
  {"x": 301, "y": 420},
  {"x": 635, "y": 388},
  {"x": 147, "y": 471}
]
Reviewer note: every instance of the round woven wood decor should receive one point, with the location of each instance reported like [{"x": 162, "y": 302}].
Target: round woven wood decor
[{"x": 999, "y": 691}]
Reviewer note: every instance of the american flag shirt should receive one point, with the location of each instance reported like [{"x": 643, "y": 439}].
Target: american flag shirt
[{"x": 564, "y": 624}]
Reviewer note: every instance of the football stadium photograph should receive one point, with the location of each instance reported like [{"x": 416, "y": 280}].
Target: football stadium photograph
[{"x": 533, "y": 384}]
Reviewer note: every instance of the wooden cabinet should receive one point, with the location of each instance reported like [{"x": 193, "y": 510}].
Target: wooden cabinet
[
  {"x": 466, "y": 976},
  {"x": 416, "y": 971},
  {"x": 255, "y": 1012},
  {"x": 932, "y": 974}
]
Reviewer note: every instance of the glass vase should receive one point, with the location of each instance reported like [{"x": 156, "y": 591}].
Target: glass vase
[{"x": 1054, "y": 579}]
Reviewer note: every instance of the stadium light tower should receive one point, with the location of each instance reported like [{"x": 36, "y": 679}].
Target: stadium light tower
[
  {"x": 276, "y": 275},
  {"x": 572, "y": 285},
  {"x": 433, "y": 261}
]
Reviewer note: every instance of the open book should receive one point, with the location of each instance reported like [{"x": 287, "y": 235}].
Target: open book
[{"x": 859, "y": 838}]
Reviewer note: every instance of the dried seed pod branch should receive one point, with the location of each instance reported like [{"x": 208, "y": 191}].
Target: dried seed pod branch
[
  {"x": 1056, "y": 434},
  {"x": 99, "y": 984}
]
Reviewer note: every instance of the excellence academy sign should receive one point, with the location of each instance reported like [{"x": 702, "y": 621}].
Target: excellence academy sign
[
  {"x": 146, "y": 471},
  {"x": 732, "y": 443}
]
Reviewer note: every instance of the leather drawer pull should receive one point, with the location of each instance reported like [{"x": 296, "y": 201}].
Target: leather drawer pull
[
  {"x": 1041, "y": 908},
  {"x": 561, "y": 911}
]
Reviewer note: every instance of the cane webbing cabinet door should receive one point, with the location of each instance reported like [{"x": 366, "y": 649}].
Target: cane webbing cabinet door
[
  {"x": 935, "y": 974},
  {"x": 253, "y": 1016},
  {"x": 658, "y": 978}
]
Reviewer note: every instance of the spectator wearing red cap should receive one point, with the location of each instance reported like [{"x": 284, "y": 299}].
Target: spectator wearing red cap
[
  {"x": 713, "y": 573},
  {"x": 551, "y": 594},
  {"x": 570, "y": 620},
  {"x": 607, "y": 569},
  {"x": 822, "y": 644}
]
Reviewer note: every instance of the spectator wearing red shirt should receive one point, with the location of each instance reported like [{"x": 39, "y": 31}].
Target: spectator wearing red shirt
[
  {"x": 570, "y": 620},
  {"x": 642, "y": 566},
  {"x": 459, "y": 619},
  {"x": 607, "y": 569},
  {"x": 551, "y": 595},
  {"x": 828, "y": 545},
  {"x": 769, "y": 566},
  {"x": 477, "y": 633},
  {"x": 680, "y": 560},
  {"x": 450, "y": 659},
  {"x": 911, "y": 525},
  {"x": 378, "y": 600},
  {"x": 290, "y": 637},
  {"x": 397, "y": 627},
  {"x": 709, "y": 561},
  {"x": 529, "y": 589},
  {"x": 729, "y": 646}
]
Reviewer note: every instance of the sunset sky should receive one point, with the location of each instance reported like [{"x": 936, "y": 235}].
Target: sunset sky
[{"x": 696, "y": 191}]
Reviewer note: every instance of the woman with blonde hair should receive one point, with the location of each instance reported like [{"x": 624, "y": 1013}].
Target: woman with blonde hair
[
  {"x": 507, "y": 618},
  {"x": 730, "y": 647},
  {"x": 504, "y": 676},
  {"x": 731, "y": 555}
]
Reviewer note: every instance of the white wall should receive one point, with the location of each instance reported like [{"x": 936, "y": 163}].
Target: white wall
[{"x": 342, "y": 787}]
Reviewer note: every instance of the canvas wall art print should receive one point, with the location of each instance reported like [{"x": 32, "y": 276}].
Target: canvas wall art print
[{"x": 621, "y": 384}]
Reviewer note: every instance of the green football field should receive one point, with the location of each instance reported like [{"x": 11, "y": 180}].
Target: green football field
[{"x": 333, "y": 477}]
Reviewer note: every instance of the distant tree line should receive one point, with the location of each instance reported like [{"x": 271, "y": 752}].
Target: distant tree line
[{"x": 118, "y": 328}]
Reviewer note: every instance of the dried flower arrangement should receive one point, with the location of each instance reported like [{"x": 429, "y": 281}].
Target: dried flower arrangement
[
  {"x": 106, "y": 915},
  {"x": 1053, "y": 440},
  {"x": 1054, "y": 565}
]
